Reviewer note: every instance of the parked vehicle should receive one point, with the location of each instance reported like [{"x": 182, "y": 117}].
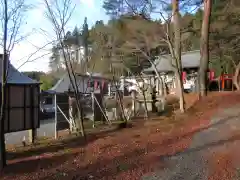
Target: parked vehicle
[{"x": 47, "y": 105}]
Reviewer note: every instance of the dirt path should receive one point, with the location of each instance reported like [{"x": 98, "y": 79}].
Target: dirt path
[{"x": 193, "y": 163}]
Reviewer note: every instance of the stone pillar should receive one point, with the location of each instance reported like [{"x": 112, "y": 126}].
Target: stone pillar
[
  {"x": 109, "y": 89},
  {"x": 134, "y": 94}
]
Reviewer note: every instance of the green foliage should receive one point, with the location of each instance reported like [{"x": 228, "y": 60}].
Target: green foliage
[
  {"x": 85, "y": 32},
  {"x": 35, "y": 75},
  {"x": 112, "y": 48},
  {"x": 114, "y": 44},
  {"x": 47, "y": 82},
  {"x": 224, "y": 33},
  {"x": 85, "y": 39}
]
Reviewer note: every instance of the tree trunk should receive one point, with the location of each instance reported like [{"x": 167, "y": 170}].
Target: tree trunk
[
  {"x": 3, "y": 87},
  {"x": 204, "y": 48},
  {"x": 177, "y": 53},
  {"x": 73, "y": 82},
  {"x": 236, "y": 77},
  {"x": 179, "y": 85},
  {"x": 3, "y": 104}
]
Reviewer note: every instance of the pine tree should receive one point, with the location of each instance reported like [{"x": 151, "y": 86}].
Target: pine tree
[{"x": 85, "y": 39}]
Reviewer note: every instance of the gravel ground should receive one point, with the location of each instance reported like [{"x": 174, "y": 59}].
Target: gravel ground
[{"x": 192, "y": 163}]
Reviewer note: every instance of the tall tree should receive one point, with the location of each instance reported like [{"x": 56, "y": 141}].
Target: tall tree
[
  {"x": 59, "y": 13},
  {"x": 76, "y": 36},
  {"x": 12, "y": 13},
  {"x": 55, "y": 62},
  {"x": 117, "y": 8},
  {"x": 177, "y": 52},
  {"x": 103, "y": 38},
  {"x": 204, "y": 45},
  {"x": 85, "y": 39},
  {"x": 3, "y": 87},
  {"x": 165, "y": 35}
]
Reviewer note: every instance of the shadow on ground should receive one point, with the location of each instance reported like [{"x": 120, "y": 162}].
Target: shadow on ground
[
  {"x": 108, "y": 167},
  {"x": 52, "y": 146},
  {"x": 36, "y": 164},
  {"x": 205, "y": 146},
  {"x": 135, "y": 159}
]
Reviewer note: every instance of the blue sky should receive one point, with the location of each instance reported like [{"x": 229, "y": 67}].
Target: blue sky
[{"x": 42, "y": 33}]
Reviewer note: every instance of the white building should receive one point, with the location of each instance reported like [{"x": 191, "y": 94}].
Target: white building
[{"x": 190, "y": 64}]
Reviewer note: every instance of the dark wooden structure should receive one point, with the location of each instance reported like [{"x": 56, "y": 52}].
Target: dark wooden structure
[
  {"x": 22, "y": 107},
  {"x": 22, "y": 102},
  {"x": 63, "y": 103}
]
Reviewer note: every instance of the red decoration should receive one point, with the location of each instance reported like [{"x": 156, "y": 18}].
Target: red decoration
[
  {"x": 184, "y": 76},
  {"x": 95, "y": 84},
  {"x": 103, "y": 83},
  {"x": 211, "y": 75}
]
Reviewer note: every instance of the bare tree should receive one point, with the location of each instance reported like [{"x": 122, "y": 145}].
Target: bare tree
[
  {"x": 116, "y": 46},
  {"x": 142, "y": 37},
  {"x": 59, "y": 13},
  {"x": 161, "y": 40},
  {"x": 106, "y": 51},
  {"x": 12, "y": 18}
]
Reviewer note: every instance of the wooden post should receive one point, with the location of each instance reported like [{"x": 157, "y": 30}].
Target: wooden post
[
  {"x": 93, "y": 119},
  {"x": 32, "y": 132},
  {"x": 154, "y": 109},
  {"x": 2, "y": 153},
  {"x": 99, "y": 114},
  {"x": 223, "y": 83},
  {"x": 118, "y": 112},
  {"x": 56, "y": 110}
]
